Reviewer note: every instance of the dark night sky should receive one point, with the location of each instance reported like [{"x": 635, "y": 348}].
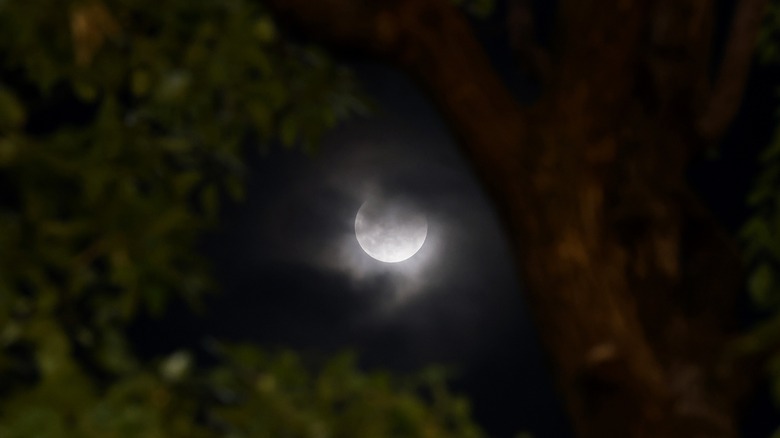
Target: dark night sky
[
  {"x": 296, "y": 276},
  {"x": 293, "y": 274}
]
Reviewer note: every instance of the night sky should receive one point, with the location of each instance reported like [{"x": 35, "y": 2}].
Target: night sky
[
  {"x": 294, "y": 276},
  {"x": 456, "y": 302}
]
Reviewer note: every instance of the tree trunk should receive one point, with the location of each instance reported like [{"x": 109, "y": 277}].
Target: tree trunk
[{"x": 631, "y": 282}]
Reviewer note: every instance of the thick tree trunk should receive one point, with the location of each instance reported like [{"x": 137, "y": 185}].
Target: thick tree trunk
[
  {"x": 631, "y": 282},
  {"x": 633, "y": 328}
]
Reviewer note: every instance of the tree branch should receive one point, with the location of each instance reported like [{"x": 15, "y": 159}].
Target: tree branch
[
  {"x": 343, "y": 22},
  {"x": 433, "y": 42},
  {"x": 726, "y": 96},
  {"x": 521, "y": 27}
]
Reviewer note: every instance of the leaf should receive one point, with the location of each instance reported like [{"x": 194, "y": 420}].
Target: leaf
[
  {"x": 94, "y": 184},
  {"x": 756, "y": 233},
  {"x": 176, "y": 145},
  {"x": 185, "y": 182},
  {"x": 36, "y": 421},
  {"x": 761, "y": 286},
  {"x": 12, "y": 112},
  {"x": 86, "y": 91},
  {"x": 264, "y": 29},
  {"x": 141, "y": 82},
  {"x": 9, "y": 150},
  {"x": 114, "y": 354},
  {"x": 176, "y": 366},
  {"x": 53, "y": 349},
  {"x": 174, "y": 86},
  {"x": 123, "y": 272},
  {"x": 156, "y": 299}
]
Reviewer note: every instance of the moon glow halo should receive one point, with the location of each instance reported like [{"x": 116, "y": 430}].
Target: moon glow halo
[{"x": 390, "y": 232}]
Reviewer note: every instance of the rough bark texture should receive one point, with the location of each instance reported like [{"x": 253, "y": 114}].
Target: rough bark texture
[{"x": 631, "y": 281}]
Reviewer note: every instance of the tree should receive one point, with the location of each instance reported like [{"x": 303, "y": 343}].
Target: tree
[
  {"x": 632, "y": 281},
  {"x": 108, "y": 174},
  {"x": 122, "y": 125}
]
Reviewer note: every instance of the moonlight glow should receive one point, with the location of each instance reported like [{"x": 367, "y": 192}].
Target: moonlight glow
[{"x": 390, "y": 232}]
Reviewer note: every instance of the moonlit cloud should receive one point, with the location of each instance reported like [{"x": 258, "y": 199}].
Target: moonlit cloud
[{"x": 301, "y": 213}]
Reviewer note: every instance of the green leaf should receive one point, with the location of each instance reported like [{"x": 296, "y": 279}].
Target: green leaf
[
  {"x": 264, "y": 29},
  {"x": 762, "y": 286},
  {"x": 9, "y": 150},
  {"x": 85, "y": 91},
  {"x": 141, "y": 82},
  {"x": 176, "y": 366},
  {"x": 185, "y": 182},
  {"x": 155, "y": 298},
  {"x": 12, "y": 112},
  {"x": 36, "y": 421},
  {"x": 756, "y": 234},
  {"x": 114, "y": 353},
  {"x": 176, "y": 145},
  {"x": 174, "y": 86}
]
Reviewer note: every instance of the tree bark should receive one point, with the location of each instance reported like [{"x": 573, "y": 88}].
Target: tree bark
[{"x": 631, "y": 281}]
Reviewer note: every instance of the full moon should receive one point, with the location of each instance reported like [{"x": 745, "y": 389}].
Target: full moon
[{"x": 390, "y": 231}]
